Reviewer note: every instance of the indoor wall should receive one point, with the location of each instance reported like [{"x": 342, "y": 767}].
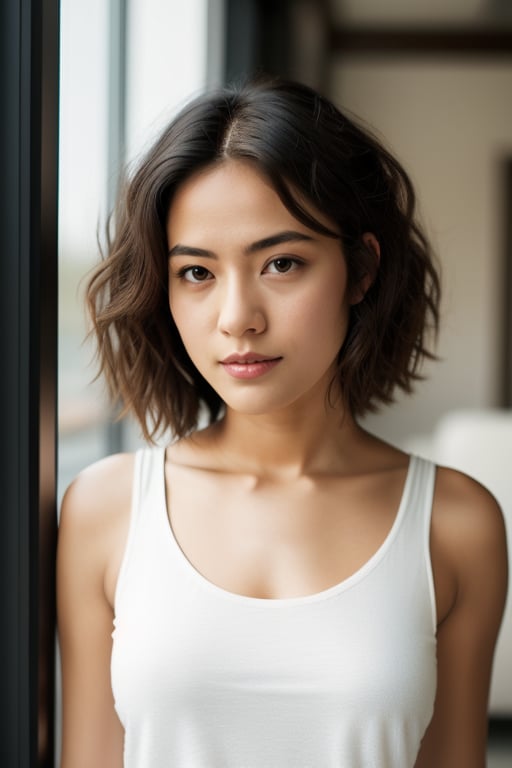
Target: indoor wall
[{"x": 448, "y": 118}]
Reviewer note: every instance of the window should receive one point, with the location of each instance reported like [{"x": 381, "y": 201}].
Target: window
[{"x": 125, "y": 68}]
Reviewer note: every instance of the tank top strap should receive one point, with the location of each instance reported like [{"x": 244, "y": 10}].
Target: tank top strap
[
  {"x": 148, "y": 495},
  {"x": 420, "y": 494},
  {"x": 151, "y": 477},
  {"x": 415, "y": 529}
]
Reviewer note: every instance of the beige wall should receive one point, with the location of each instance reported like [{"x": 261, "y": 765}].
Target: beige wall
[
  {"x": 450, "y": 123},
  {"x": 405, "y": 12}
]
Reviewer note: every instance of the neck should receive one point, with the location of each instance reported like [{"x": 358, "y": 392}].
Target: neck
[{"x": 306, "y": 439}]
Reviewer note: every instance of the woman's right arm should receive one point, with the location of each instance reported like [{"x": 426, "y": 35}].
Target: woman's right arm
[{"x": 92, "y": 532}]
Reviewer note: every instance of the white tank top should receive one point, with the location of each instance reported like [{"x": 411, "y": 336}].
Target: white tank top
[{"x": 205, "y": 678}]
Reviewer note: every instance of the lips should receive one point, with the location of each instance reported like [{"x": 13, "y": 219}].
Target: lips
[
  {"x": 249, "y": 365},
  {"x": 247, "y": 358}
]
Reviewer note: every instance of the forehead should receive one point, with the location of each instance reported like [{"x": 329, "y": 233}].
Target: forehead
[
  {"x": 231, "y": 197},
  {"x": 234, "y": 181}
]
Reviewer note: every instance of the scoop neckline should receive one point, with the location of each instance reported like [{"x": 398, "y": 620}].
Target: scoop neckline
[{"x": 273, "y": 602}]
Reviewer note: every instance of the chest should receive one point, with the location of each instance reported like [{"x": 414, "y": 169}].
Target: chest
[
  {"x": 327, "y": 666},
  {"x": 350, "y": 646},
  {"x": 332, "y": 678},
  {"x": 274, "y": 541}
]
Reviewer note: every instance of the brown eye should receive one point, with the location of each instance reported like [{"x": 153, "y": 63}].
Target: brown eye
[
  {"x": 283, "y": 264},
  {"x": 196, "y": 274}
]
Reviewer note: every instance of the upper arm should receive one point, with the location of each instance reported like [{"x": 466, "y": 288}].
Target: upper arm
[
  {"x": 468, "y": 542},
  {"x": 92, "y": 530}
]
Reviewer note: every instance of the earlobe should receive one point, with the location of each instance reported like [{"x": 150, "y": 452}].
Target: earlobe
[{"x": 360, "y": 290}]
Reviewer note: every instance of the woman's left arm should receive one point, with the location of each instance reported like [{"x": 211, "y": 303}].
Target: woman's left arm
[{"x": 468, "y": 546}]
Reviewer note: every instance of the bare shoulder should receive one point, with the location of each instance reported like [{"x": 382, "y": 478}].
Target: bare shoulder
[
  {"x": 466, "y": 511},
  {"x": 93, "y": 492},
  {"x": 93, "y": 529},
  {"x": 469, "y": 537},
  {"x": 469, "y": 559},
  {"x": 95, "y": 514},
  {"x": 98, "y": 496}
]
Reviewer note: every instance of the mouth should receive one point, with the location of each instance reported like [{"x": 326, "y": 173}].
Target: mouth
[
  {"x": 248, "y": 359},
  {"x": 249, "y": 366}
]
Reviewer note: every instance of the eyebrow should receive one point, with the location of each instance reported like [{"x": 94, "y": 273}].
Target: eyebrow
[{"x": 288, "y": 236}]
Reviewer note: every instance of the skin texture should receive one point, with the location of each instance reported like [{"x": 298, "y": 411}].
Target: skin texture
[
  {"x": 302, "y": 495},
  {"x": 235, "y": 296}
]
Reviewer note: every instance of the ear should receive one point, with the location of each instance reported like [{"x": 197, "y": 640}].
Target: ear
[{"x": 359, "y": 290}]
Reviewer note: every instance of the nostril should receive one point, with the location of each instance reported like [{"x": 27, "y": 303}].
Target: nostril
[{"x": 243, "y": 320}]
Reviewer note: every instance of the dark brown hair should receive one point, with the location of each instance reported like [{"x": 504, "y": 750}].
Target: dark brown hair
[{"x": 309, "y": 150}]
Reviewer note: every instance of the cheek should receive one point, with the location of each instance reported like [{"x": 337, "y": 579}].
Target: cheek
[
  {"x": 322, "y": 316},
  {"x": 193, "y": 323},
  {"x": 179, "y": 315}
]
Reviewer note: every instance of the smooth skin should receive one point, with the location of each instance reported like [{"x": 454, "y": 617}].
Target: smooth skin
[{"x": 302, "y": 495}]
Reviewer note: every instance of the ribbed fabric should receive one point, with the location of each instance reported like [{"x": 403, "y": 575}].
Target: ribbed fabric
[{"x": 205, "y": 678}]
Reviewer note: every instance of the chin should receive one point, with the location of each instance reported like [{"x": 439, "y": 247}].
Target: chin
[
  {"x": 252, "y": 409},
  {"x": 252, "y": 405}
]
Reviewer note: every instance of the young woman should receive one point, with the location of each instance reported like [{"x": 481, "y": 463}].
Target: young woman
[{"x": 276, "y": 588}]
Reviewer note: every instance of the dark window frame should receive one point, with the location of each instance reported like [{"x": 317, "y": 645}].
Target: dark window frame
[{"x": 29, "y": 49}]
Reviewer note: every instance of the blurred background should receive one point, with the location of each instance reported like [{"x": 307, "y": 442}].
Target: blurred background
[{"x": 434, "y": 81}]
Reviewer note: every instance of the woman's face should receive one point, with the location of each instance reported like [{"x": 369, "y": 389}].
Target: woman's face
[{"x": 260, "y": 300}]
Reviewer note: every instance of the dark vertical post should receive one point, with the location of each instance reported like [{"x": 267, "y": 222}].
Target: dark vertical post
[
  {"x": 29, "y": 45},
  {"x": 279, "y": 37},
  {"x": 257, "y": 38},
  {"x": 242, "y": 38}
]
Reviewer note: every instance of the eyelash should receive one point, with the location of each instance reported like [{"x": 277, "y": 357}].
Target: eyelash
[
  {"x": 296, "y": 263},
  {"x": 184, "y": 271},
  {"x": 293, "y": 261}
]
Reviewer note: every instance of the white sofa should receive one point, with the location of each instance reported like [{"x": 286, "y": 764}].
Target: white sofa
[{"x": 479, "y": 442}]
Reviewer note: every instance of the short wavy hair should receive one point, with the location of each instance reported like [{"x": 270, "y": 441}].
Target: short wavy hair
[{"x": 310, "y": 151}]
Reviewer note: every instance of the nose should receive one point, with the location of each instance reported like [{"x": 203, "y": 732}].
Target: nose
[{"x": 240, "y": 310}]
